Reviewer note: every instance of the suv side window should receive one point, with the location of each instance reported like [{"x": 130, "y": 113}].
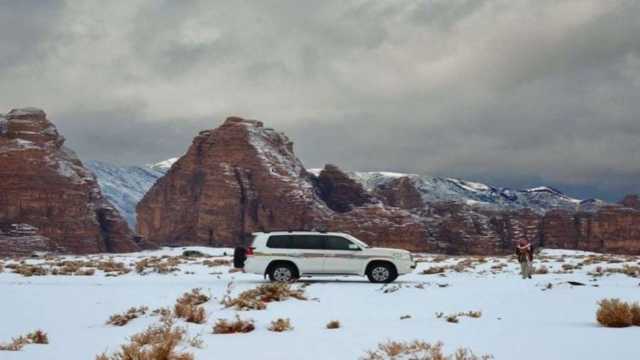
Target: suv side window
[
  {"x": 279, "y": 242},
  {"x": 338, "y": 243},
  {"x": 308, "y": 242}
]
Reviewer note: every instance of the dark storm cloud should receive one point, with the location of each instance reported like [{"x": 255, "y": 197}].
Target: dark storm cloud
[{"x": 516, "y": 93}]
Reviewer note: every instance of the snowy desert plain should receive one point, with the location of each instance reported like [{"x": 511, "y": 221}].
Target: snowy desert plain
[{"x": 552, "y": 316}]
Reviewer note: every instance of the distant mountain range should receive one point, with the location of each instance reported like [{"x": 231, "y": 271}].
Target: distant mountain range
[{"x": 124, "y": 186}]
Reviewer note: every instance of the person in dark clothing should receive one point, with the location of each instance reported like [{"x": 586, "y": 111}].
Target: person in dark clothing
[
  {"x": 524, "y": 252},
  {"x": 239, "y": 257}
]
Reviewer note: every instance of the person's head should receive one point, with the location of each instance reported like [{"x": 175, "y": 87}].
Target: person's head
[{"x": 523, "y": 243}]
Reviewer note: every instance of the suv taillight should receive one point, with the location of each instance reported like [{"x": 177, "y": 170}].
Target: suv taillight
[{"x": 250, "y": 250}]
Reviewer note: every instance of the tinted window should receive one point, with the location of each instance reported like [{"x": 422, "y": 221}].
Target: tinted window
[
  {"x": 310, "y": 242},
  {"x": 279, "y": 242},
  {"x": 337, "y": 243}
]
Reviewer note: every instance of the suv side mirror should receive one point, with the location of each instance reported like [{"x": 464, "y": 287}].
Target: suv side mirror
[{"x": 354, "y": 247}]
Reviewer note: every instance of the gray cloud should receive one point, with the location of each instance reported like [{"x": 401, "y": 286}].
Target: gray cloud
[{"x": 512, "y": 92}]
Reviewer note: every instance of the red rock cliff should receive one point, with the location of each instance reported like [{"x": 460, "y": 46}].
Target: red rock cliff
[
  {"x": 45, "y": 189},
  {"x": 243, "y": 177}
]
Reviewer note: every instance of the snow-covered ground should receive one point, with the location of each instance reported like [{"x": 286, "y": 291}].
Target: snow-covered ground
[{"x": 521, "y": 319}]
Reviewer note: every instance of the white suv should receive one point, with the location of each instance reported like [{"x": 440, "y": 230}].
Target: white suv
[{"x": 285, "y": 256}]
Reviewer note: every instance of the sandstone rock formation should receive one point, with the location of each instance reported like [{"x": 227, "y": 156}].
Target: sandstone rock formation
[
  {"x": 48, "y": 200},
  {"x": 243, "y": 177},
  {"x": 340, "y": 192},
  {"x": 631, "y": 201}
]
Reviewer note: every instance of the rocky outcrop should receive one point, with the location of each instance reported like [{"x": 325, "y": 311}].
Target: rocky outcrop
[
  {"x": 340, "y": 192},
  {"x": 243, "y": 177},
  {"x": 612, "y": 229},
  {"x": 45, "y": 187},
  {"x": 631, "y": 201},
  {"x": 400, "y": 192}
]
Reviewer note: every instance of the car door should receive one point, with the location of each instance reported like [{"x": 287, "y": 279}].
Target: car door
[
  {"x": 342, "y": 256},
  {"x": 309, "y": 252}
]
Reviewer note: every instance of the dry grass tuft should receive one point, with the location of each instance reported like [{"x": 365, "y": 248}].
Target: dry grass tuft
[
  {"x": 191, "y": 313},
  {"x": 161, "y": 265},
  {"x": 157, "y": 342},
  {"x": 124, "y": 318},
  {"x": 434, "y": 270},
  {"x": 635, "y": 314},
  {"x": 614, "y": 313},
  {"x": 1, "y": 267},
  {"x": 280, "y": 325},
  {"x": 333, "y": 324},
  {"x": 223, "y": 326},
  {"x": 256, "y": 299},
  {"x": 188, "y": 307},
  {"x": 194, "y": 297},
  {"x": 216, "y": 262},
  {"x": 455, "y": 318},
  {"x": 30, "y": 270},
  {"x": 419, "y": 350},
  {"x": 113, "y": 268},
  {"x": 16, "y": 344},
  {"x": 38, "y": 337}
]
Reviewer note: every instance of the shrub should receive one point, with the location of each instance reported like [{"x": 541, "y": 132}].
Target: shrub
[
  {"x": 333, "y": 324},
  {"x": 614, "y": 313},
  {"x": 160, "y": 265},
  {"x": 1, "y": 267},
  {"x": 194, "y": 297},
  {"x": 38, "y": 337},
  {"x": 30, "y": 270},
  {"x": 280, "y": 325},
  {"x": 453, "y": 318},
  {"x": 124, "y": 318},
  {"x": 434, "y": 270},
  {"x": 157, "y": 342},
  {"x": 256, "y": 299},
  {"x": 216, "y": 262},
  {"x": 112, "y": 268},
  {"x": 187, "y": 306},
  {"x": 419, "y": 350},
  {"x": 635, "y": 314},
  {"x": 223, "y": 326},
  {"x": 472, "y": 314},
  {"x": 191, "y": 313},
  {"x": 16, "y": 344},
  {"x": 85, "y": 272},
  {"x": 192, "y": 253}
]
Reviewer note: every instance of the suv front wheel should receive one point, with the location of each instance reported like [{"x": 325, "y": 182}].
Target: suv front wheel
[
  {"x": 282, "y": 273},
  {"x": 381, "y": 273}
]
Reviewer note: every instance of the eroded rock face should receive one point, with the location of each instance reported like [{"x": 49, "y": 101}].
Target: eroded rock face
[
  {"x": 340, "y": 192},
  {"x": 243, "y": 177},
  {"x": 400, "y": 192},
  {"x": 43, "y": 185},
  {"x": 612, "y": 229},
  {"x": 631, "y": 201}
]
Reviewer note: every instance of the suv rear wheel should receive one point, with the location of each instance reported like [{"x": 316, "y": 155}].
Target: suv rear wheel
[
  {"x": 282, "y": 272},
  {"x": 381, "y": 272}
]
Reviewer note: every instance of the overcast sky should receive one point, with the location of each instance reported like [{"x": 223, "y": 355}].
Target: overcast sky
[{"x": 514, "y": 93}]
